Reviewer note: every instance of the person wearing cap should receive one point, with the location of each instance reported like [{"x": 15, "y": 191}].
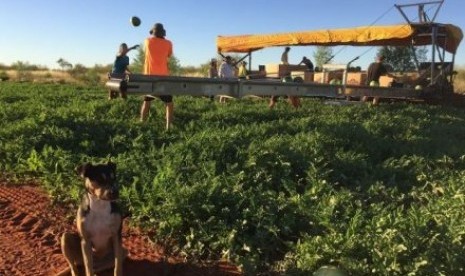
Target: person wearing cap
[
  {"x": 120, "y": 66},
  {"x": 158, "y": 50}
]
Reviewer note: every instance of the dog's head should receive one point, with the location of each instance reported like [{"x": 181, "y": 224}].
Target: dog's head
[{"x": 100, "y": 180}]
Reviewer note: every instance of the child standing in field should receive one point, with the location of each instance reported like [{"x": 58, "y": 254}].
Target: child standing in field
[{"x": 121, "y": 65}]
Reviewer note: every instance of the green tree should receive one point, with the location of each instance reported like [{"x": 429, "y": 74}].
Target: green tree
[
  {"x": 401, "y": 59},
  {"x": 174, "y": 66},
  {"x": 4, "y": 76},
  {"x": 19, "y": 65},
  {"x": 421, "y": 53},
  {"x": 137, "y": 65},
  {"x": 65, "y": 65},
  {"x": 322, "y": 55},
  {"x": 23, "y": 71},
  {"x": 204, "y": 68},
  {"x": 102, "y": 69},
  {"x": 192, "y": 71},
  {"x": 78, "y": 70}
]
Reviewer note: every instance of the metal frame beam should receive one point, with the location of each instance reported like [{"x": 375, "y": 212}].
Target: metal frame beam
[{"x": 167, "y": 85}]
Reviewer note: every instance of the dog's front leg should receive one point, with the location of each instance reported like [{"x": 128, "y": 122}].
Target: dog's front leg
[
  {"x": 87, "y": 257},
  {"x": 71, "y": 248},
  {"x": 118, "y": 250}
]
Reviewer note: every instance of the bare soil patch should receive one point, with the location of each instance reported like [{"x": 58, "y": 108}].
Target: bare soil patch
[{"x": 30, "y": 230}]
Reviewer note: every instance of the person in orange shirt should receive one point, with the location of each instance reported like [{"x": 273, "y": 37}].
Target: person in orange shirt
[{"x": 158, "y": 50}]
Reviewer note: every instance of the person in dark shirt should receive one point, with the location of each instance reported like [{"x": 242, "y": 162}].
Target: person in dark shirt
[
  {"x": 120, "y": 65},
  {"x": 307, "y": 62},
  {"x": 376, "y": 70}
]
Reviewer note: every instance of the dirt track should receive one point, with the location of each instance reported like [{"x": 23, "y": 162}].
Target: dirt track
[{"x": 30, "y": 230}]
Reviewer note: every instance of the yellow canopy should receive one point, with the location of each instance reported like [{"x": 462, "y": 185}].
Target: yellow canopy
[{"x": 393, "y": 35}]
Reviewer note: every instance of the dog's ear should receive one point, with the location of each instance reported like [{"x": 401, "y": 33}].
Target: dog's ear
[
  {"x": 112, "y": 166},
  {"x": 83, "y": 169}
]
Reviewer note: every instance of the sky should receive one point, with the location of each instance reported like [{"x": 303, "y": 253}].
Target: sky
[{"x": 89, "y": 32}]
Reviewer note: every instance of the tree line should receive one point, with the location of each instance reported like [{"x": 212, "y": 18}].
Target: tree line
[{"x": 399, "y": 59}]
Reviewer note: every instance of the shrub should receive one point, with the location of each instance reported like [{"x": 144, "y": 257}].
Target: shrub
[{"x": 4, "y": 76}]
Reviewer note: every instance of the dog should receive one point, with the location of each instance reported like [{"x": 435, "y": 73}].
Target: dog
[{"x": 98, "y": 244}]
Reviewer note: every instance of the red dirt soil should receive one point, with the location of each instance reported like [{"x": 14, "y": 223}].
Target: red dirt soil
[{"x": 30, "y": 231}]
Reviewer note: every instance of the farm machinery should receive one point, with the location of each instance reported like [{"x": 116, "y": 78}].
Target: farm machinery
[{"x": 431, "y": 82}]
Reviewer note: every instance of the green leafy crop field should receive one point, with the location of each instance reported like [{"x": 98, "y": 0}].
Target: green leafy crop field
[{"x": 374, "y": 190}]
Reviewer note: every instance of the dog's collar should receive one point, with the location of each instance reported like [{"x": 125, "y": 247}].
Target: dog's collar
[{"x": 89, "y": 198}]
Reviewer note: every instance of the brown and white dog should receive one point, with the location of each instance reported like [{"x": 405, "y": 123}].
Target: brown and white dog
[{"x": 98, "y": 244}]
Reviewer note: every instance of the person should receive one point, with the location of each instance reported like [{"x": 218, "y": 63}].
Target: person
[
  {"x": 226, "y": 71},
  {"x": 293, "y": 100},
  {"x": 158, "y": 50},
  {"x": 242, "y": 73},
  {"x": 213, "y": 69},
  {"x": 121, "y": 66},
  {"x": 285, "y": 56},
  {"x": 213, "y": 72},
  {"x": 307, "y": 62},
  {"x": 375, "y": 71}
]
